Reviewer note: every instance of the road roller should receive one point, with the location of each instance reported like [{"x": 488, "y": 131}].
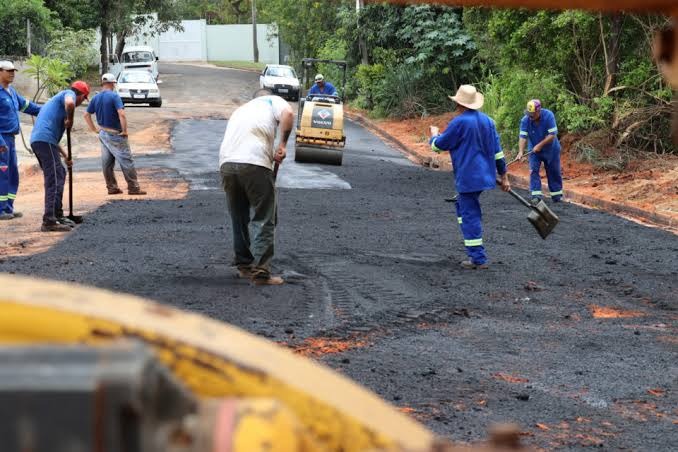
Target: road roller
[{"x": 320, "y": 134}]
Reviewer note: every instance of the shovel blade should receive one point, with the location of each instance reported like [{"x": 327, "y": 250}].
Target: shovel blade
[
  {"x": 543, "y": 219},
  {"x": 77, "y": 219}
]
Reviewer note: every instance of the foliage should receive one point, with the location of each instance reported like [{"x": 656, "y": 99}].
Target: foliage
[
  {"x": 304, "y": 25},
  {"x": 419, "y": 54},
  {"x": 76, "y": 48},
  {"x": 594, "y": 71},
  {"x": 13, "y": 16},
  {"x": 75, "y": 14},
  {"x": 506, "y": 96},
  {"x": 216, "y": 12},
  {"x": 51, "y": 75}
]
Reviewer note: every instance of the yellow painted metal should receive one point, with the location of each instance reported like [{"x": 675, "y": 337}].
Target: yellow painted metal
[
  {"x": 331, "y": 137},
  {"x": 213, "y": 359}
]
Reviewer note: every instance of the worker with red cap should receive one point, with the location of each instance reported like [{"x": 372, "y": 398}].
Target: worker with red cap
[{"x": 54, "y": 118}]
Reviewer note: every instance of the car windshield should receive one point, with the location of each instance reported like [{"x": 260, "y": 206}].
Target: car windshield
[
  {"x": 281, "y": 72},
  {"x": 136, "y": 77},
  {"x": 137, "y": 57}
]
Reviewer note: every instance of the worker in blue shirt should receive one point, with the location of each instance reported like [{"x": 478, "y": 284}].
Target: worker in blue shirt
[
  {"x": 112, "y": 132},
  {"x": 538, "y": 130},
  {"x": 55, "y": 117},
  {"x": 473, "y": 143},
  {"x": 11, "y": 103},
  {"x": 322, "y": 87}
]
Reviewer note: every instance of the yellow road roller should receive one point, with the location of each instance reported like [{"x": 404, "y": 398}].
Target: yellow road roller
[{"x": 320, "y": 134}]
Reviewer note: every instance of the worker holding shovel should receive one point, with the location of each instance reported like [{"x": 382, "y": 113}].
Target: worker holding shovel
[
  {"x": 473, "y": 143},
  {"x": 539, "y": 132},
  {"x": 55, "y": 117},
  {"x": 248, "y": 162}
]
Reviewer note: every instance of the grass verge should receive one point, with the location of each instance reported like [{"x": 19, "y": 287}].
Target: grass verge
[{"x": 249, "y": 65}]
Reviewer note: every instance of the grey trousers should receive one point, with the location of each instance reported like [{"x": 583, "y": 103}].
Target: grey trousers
[
  {"x": 250, "y": 192},
  {"x": 115, "y": 147}
]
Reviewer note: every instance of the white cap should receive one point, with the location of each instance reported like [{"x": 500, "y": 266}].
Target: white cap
[
  {"x": 7, "y": 66},
  {"x": 108, "y": 78},
  {"x": 319, "y": 77}
]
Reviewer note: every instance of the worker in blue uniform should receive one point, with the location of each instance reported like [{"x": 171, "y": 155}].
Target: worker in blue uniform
[
  {"x": 322, "y": 87},
  {"x": 11, "y": 103},
  {"x": 473, "y": 143},
  {"x": 539, "y": 132}
]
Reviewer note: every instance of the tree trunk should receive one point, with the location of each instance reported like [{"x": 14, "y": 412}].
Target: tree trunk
[
  {"x": 362, "y": 45},
  {"x": 120, "y": 44},
  {"x": 103, "y": 49},
  {"x": 255, "y": 45},
  {"x": 612, "y": 45}
]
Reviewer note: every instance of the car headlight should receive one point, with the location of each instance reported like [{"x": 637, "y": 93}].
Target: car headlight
[
  {"x": 269, "y": 85},
  {"x": 123, "y": 91},
  {"x": 153, "y": 91}
]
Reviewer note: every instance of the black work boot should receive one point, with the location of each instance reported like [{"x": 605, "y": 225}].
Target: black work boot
[{"x": 55, "y": 227}]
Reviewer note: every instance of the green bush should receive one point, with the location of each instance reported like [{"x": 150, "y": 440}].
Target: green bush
[
  {"x": 506, "y": 96},
  {"x": 75, "y": 48},
  {"x": 52, "y": 75},
  {"x": 13, "y": 16}
]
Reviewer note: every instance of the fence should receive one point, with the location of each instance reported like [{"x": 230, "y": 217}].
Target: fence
[{"x": 199, "y": 42}]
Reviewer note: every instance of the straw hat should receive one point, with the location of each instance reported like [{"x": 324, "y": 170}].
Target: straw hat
[{"x": 468, "y": 97}]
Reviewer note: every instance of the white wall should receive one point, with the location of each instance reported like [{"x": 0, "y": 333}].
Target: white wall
[
  {"x": 234, "y": 43},
  {"x": 187, "y": 45},
  {"x": 201, "y": 42}
]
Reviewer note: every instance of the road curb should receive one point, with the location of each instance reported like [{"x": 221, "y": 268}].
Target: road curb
[
  {"x": 431, "y": 160},
  {"x": 442, "y": 162}
]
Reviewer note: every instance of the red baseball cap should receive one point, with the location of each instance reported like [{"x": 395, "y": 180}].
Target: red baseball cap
[{"x": 81, "y": 86}]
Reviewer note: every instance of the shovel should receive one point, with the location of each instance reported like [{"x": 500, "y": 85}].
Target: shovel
[
  {"x": 454, "y": 198},
  {"x": 77, "y": 219},
  {"x": 542, "y": 218}
]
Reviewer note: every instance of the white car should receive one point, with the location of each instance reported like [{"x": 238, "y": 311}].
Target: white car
[
  {"x": 141, "y": 58},
  {"x": 281, "y": 80},
  {"x": 139, "y": 87}
]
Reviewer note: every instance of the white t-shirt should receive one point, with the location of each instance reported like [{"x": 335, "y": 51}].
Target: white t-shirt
[{"x": 250, "y": 134}]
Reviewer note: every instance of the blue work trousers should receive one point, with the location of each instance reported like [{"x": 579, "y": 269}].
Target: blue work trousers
[
  {"x": 54, "y": 174},
  {"x": 470, "y": 219},
  {"x": 9, "y": 175},
  {"x": 551, "y": 160}
]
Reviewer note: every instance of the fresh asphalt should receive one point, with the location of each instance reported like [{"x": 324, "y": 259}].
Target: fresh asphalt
[{"x": 371, "y": 252}]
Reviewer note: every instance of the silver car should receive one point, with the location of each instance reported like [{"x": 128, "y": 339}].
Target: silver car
[{"x": 139, "y": 87}]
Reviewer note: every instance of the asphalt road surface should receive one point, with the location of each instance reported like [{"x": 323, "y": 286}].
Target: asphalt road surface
[{"x": 574, "y": 338}]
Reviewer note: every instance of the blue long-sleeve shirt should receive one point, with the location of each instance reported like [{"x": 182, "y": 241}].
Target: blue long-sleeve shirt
[
  {"x": 328, "y": 89},
  {"x": 11, "y": 103},
  {"x": 473, "y": 143},
  {"x": 535, "y": 132}
]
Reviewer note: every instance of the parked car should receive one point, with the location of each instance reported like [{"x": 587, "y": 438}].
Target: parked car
[
  {"x": 139, "y": 87},
  {"x": 281, "y": 80},
  {"x": 140, "y": 57}
]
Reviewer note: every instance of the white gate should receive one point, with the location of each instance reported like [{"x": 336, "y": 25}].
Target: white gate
[{"x": 187, "y": 45}]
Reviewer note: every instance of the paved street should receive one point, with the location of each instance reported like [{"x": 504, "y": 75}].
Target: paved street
[{"x": 574, "y": 338}]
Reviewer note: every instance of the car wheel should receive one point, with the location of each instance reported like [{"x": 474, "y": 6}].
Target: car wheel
[{"x": 157, "y": 104}]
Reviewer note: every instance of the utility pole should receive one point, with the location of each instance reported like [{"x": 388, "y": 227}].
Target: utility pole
[
  {"x": 28, "y": 37},
  {"x": 360, "y": 4},
  {"x": 254, "y": 31}
]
